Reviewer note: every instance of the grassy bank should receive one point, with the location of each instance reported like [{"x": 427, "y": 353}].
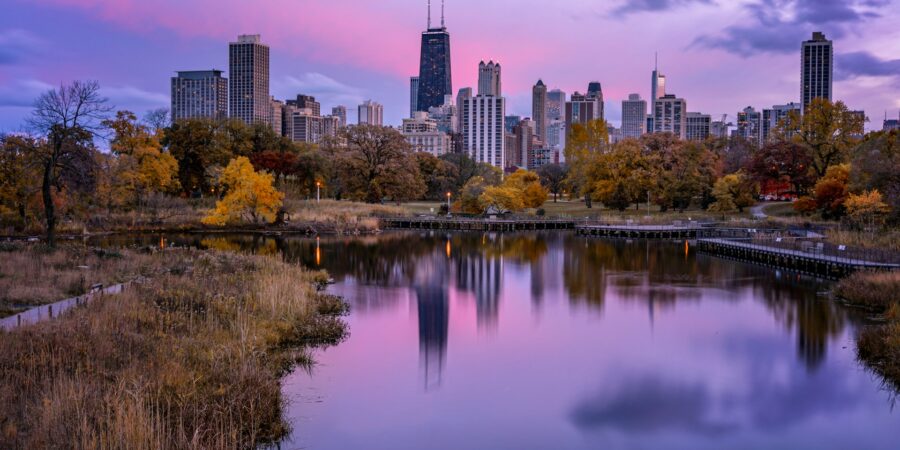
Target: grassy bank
[
  {"x": 881, "y": 240},
  {"x": 189, "y": 360},
  {"x": 338, "y": 217},
  {"x": 878, "y": 346},
  {"x": 32, "y": 275}
]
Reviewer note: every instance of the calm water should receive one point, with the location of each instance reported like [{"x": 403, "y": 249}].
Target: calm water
[{"x": 555, "y": 341}]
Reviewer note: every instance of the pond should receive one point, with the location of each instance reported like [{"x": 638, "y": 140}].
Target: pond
[{"x": 538, "y": 341}]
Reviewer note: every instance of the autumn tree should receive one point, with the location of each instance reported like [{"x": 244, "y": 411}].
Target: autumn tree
[
  {"x": 830, "y": 192},
  {"x": 553, "y": 177},
  {"x": 467, "y": 168},
  {"x": 621, "y": 176},
  {"x": 439, "y": 175},
  {"x": 66, "y": 120},
  {"x": 501, "y": 199},
  {"x": 377, "y": 162},
  {"x": 19, "y": 180},
  {"x": 470, "y": 194},
  {"x": 733, "y": 192},
  {"x": 866, "y": 208},
  {"x": 143, "y": 166},
  {"x": 876, "y": 166},
  {"x": 682, "y": 171},
  {"x": 249, "y": 196},
  {"x": 584, "y": 143},
  {"x": 828, "y": 130},
  {"x": 783, "y": 162},
  {"x": 528, "y": 186},
  {"x": 737, "y": 154}
]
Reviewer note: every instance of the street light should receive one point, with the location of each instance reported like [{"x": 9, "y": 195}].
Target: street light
[
  {"x": 448, "y": 203},
  {"x": 318, "y": 190}
]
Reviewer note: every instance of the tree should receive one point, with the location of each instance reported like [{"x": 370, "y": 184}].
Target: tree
[
  {"x": 621, "y": 176},
  {"x": 528, "y": 186},
  {"x": 867, "y": 207},
  {"x": 682, "y": 171},
  {"x": 197, "y": 145},
  {"x": 583, "y": 144},
  {"x": 143, "y": 166},
  {"x": 737, "y": 155},
  {"x": 501, "y": 199},
  {"x": 439, "y": 175},
  {"x": 249, "y": 196},
  {"x": 733, "y": 192},
  {"x": 66, "y": 120},
  {"x": 783, "y": 162},
  {"x": 377, "y": 163},
  {"x": 828, "y": 130},
  {"x": 18, "y": 179},
  {"x": 467, "y": 169},
  {"x": 552, "y": 177},
  {"x": 470, "y": 194},
  {"x": 831, "y": 191},
  {"x": 876, "y": 166},
  {"x": 157, "y": 119}
]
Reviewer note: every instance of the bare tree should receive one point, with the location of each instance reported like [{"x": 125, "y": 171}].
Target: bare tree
[
  {"x": 66, "y": 120},
  {"x": 157, "y": 119}
]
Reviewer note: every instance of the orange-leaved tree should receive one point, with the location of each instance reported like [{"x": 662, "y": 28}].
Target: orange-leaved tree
[{"x": 249, "y": 196}]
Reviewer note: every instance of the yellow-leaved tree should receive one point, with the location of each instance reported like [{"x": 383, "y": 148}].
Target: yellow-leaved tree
[
  {"x": 249, "y": 196},
  {"x": 529, "y": 184},
  {"x": 866, "y": 208}
]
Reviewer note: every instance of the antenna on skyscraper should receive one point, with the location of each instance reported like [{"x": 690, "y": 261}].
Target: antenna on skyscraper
[
  {"x": 429, "y": 14},
  {"x": 442, "y": 13},
  {"x": 655, "y": 60}
]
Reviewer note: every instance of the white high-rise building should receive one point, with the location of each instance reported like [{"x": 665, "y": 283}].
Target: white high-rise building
[
  {"x": 423, "y": 135},
  {"x": 670, "y": 116},
  {"x": 489, "y": 79},
  {"x": 371, "y": 113},
  {"x": 772, "y": 117},
  {"x": 816, "y": 69},
  {"x": 482, "y": 118},
  {"x": 634, "y": 116},
  {"x": 446, "y": 116},
  {"x": 248, "y": 70}
]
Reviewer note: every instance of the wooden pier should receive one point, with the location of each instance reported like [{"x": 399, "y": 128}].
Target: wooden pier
[
  {"x": 812, "y": 261},
  {"x": 475, "y": 224},
  {"x": 642, "y": 231}
]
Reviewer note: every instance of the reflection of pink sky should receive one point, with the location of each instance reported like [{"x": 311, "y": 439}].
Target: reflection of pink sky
[{"x": 523, "y": 378}]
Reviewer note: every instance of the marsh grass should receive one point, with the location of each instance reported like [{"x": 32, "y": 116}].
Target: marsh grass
[
  {"x": 33, "y": 274},
  {"x": 882, "y": 239},
  {"x": 340, "y": 217},
  {"x": 877, "y": 291},
  {"x": 185, "y": 361},
  {"x": 878, "y": 346}
]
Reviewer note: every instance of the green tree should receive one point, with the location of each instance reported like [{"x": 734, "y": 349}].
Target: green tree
[
  {"x": 18, "y": 180},
  {"x": 621, "y": 176},
  {"x": 682, "y": 171},
  {"x": 197, "y": 145},
  {"x": 733, "y": 192},
  {"x": 470, "y": 194},
  {"x": 439, "y": 175}
]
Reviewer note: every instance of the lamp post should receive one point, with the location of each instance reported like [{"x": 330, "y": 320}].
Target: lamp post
[
  {"x": 448, "y": 203},
  {"x": 318, "y": 190}
]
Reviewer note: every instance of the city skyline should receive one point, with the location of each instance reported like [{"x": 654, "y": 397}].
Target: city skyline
[{"x": 134, "y": 50}]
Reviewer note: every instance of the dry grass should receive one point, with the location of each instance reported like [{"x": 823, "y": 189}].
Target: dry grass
[
  {"x": 32, "y": 275},
  {"x": 877, "y": 291},
  {"x": 879, "y": 347},
  {"x": 883, "y": 240},
  {"x": 341, "y": 217},
  {"x": 186, "y": 361}
]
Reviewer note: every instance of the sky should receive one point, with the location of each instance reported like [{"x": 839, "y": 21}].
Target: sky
[{"x": 720, "y": 55}]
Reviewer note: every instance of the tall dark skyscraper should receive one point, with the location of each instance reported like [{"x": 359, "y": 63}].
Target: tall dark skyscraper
[
  {"x": 817, "y": 70},
  {"x": 434, "y": 65}
]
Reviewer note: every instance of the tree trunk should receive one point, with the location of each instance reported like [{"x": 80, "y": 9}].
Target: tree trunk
[
  {"x": 49, "y": 209},
  {"x": 587, "y": 200}
]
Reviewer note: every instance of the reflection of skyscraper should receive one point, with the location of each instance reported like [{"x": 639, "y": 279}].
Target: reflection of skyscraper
[
  {"x": 431, "y": 285},
  {"x": 481, "y": 275}
]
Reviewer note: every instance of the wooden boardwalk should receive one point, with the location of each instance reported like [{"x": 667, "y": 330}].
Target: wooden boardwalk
[
  {"x": 476, "y": 224},
  {"x": 810, "y": 261},
  {"x": 642, "y": 231}
]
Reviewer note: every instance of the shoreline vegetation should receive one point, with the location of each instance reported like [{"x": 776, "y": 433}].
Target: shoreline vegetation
[
  {"x": 190, "y": 359},
  {"x": 878, "y": 345}
]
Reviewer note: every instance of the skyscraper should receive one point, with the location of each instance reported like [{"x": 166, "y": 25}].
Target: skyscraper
[
  {"x": 371, "y": 113},
  {"x": 670, "y": 116},
  {"x": 816, "y": 69},
  {"x": 658, "y": 85},
  {"x": 276, "y": 115},
  {"x": 634, "y": 116},
  {"x": 539, "y": 109},
  {"x": 482, "y": 119},
  {"x": 199, "y": 94},
  {"x": 248, "y": 67},
  {"x": 749, "y": 125},
  {"x": 434, "y": 65},
  {"x": 772, "y": 117},
  {"x": 341, "y": 113},
  {"x": 413, "y": 96},
  {"x": 583, "y": 108},
  {"x": 463, "y": 94},
  {"x": 307, "y": 101},
  {"x": 489, "y": 79},
  {"x": 556, "y": 105}
]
